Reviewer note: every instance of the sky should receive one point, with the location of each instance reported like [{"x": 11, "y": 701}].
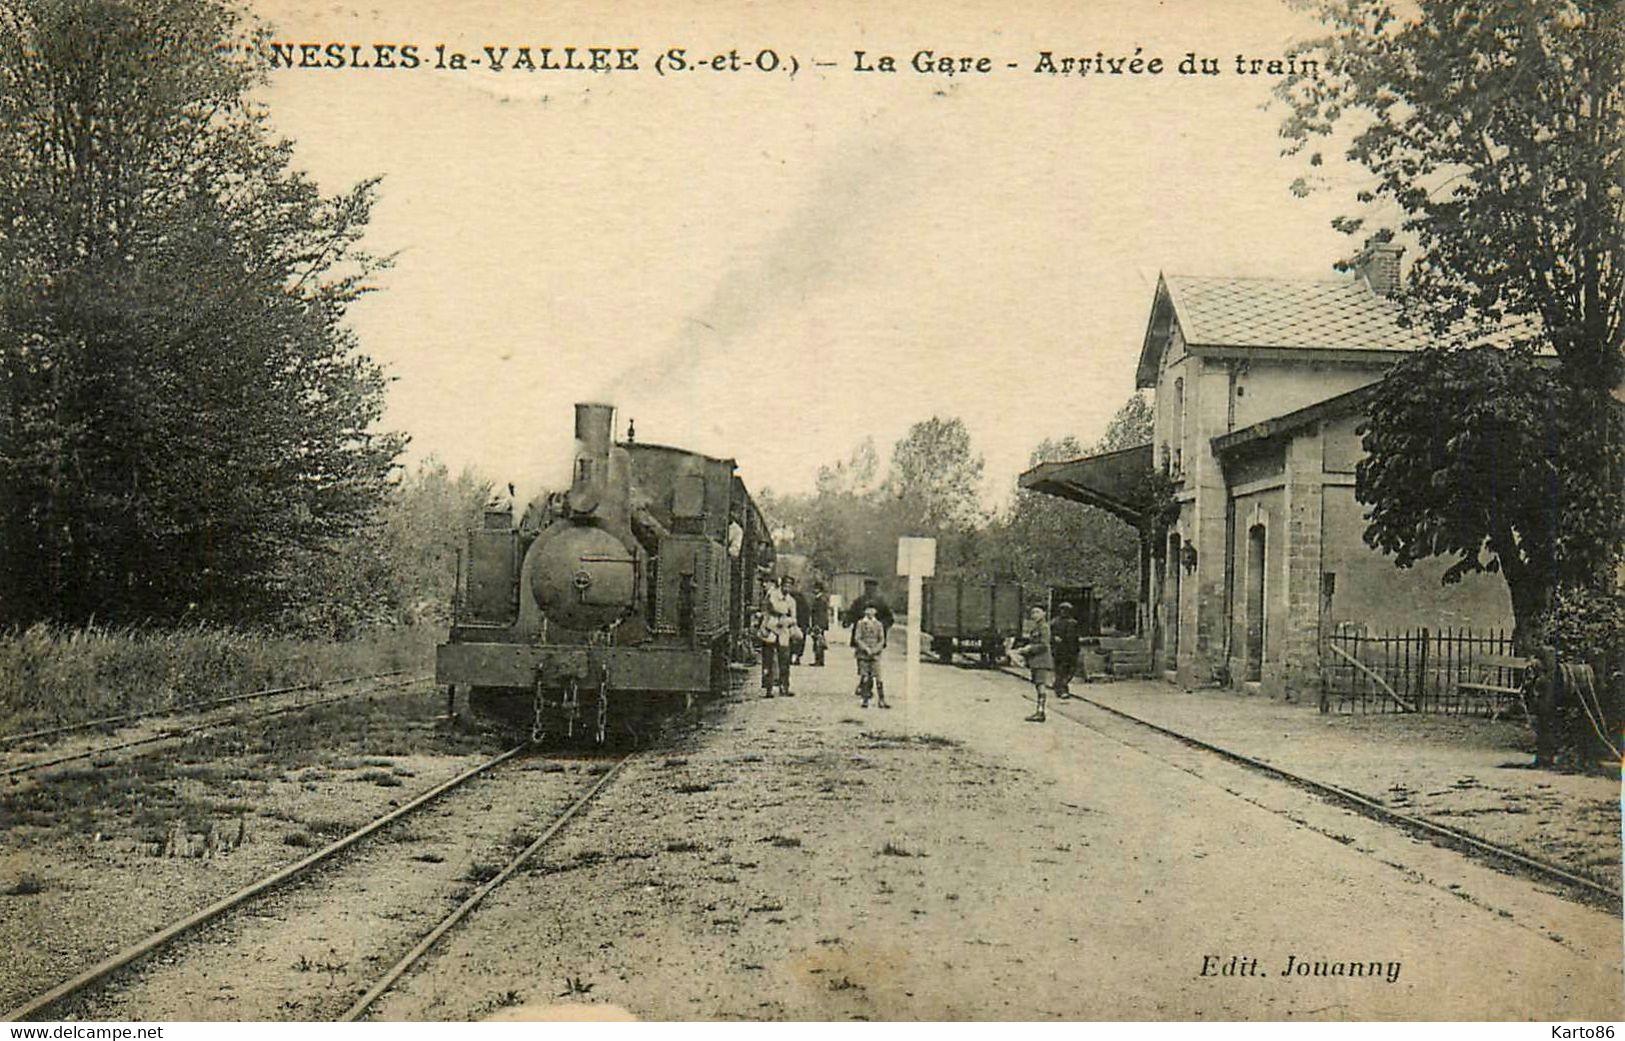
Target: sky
[{"x": 771, "y": 268}]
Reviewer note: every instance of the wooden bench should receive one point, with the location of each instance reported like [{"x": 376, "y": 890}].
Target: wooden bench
[{"x": 1496, "y": 678}]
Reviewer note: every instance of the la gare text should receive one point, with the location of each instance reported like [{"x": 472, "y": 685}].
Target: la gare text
[{"x": 924, "y": 62}]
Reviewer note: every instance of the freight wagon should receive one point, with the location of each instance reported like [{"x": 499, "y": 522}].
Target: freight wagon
[{"x": 969, "y": 617}]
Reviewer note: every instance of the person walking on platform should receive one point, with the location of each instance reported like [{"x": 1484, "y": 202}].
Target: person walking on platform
[
  {"x": 868, "y": 643},
  {"x": 818, "y": 627},
  {"x": 1035, "y": 652},
  {"x": 1064, "y": 633}
]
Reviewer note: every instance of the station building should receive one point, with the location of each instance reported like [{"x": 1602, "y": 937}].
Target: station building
[{"x": 1259, "y": 389}]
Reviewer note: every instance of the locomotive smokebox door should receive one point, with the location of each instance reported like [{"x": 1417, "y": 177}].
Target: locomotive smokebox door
[{"x": 584, "y": 578}]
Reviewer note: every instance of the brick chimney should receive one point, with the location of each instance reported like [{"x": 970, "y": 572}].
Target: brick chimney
[{"x": 1378, "y": 265}]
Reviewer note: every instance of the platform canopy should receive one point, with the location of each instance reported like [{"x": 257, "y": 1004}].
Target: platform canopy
[{"x": 1110, "y": 481}]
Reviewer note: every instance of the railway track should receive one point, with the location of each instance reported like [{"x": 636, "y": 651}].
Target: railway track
[
  {"x": 86, "y": 982},
  {"x": 196, "y": 706},
  {"x": 174, "y": 733},
  {"x": 1590, "y": 890},
  {"x": 425, "y": 945}
]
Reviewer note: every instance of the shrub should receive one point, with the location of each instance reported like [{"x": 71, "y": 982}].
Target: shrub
[
  {"x": 52, "y": 676},
  {"x": 1586, "y": 627}
]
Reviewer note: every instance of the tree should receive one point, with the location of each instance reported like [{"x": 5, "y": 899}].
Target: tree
[
  {"x": 846, "y": 523},
  {"x": 1042, "y": 540},
  {"x": 851, "y": 521},
  {"x": 935, "y": 476},
  {"x": 1465, "y": 459},
  {"x": 181, "y": 406},
  {"x": 933, "y": 488},
  {"x": 398, "y": 571},
  {"x": 834, "y": 525},
  {"x": 1130, "y": 425},
  {"x": 856, "y": 475},
  {"x": 1495, "y": 127},
  {"x": 1046, "y": 541}
]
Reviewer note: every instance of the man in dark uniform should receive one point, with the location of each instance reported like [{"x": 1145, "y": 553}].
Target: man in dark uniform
[
  {"x": 871, "y": 598},
  {"x": 803, "y": 618},
  {"x": 819, "y": 626},
  {"x": 1064, "y": 635}
]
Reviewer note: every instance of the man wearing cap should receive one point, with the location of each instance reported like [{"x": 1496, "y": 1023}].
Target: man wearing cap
[
  {"x": 1064, "y": 633},
  {"x": 819, "y": 623}
]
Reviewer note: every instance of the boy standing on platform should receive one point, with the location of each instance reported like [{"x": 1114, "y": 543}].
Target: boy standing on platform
[
  {"x": 1036, "y": 653},
  {"x": 868, "y": 641}
]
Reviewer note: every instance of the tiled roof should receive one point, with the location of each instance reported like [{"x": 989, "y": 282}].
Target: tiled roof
[{"x": 1268, "y": 312}]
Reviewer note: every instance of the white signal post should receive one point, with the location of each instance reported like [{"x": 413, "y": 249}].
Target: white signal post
[{"x": 917, "y": 560}]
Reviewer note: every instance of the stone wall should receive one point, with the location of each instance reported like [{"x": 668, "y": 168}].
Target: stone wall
[
  {"x": 1372, "y": 593},
  {"x": 1300, "y": 622},
  {"x": 1265, "y": 510}
]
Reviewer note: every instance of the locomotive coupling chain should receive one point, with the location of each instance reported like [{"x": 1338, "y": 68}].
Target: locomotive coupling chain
[
  {"x": 571, "y": 705},
  {"x": 538, "y": 723},
  {"x": 603, "y": 704}
]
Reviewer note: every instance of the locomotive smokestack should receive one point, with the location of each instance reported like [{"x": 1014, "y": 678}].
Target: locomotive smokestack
[
  {"x": 595, "y": 428},
  {"x": 595, "y": 436}
]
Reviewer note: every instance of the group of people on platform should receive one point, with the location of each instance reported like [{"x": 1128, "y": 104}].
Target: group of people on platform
[{"x": 788, "y": 621}]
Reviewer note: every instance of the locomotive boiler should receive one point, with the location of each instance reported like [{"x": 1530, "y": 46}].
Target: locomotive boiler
[{"x": 624, "y": 597}]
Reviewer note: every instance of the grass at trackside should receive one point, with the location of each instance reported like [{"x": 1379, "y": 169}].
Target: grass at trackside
[
  {"x": 50, "y": 677},
  {"x": 226, "y": 774}
]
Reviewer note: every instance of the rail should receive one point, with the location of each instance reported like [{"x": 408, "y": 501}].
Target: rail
[
  {"x": 412, "y": 957},
  {"x": 101, "y": 970},
  {"x": 170, "y": 735},
  {"x": 195, "y": 706},
  {"x": 1367, "y": 806}
]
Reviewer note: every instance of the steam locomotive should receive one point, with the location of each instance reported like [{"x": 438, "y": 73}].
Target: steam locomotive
[{"x": 624, "y": 598}]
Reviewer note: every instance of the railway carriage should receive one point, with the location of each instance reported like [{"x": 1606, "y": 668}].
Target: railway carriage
[{"x": 624, "y": 598}]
